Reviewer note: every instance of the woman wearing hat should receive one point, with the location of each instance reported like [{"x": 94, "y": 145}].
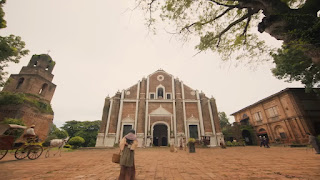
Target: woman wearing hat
[
  {"x": 30, "y": 135},
  {"x": 127, "y": 147}
]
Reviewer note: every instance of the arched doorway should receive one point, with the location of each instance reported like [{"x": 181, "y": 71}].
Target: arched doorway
[
  {"x": 262, "y": 132},
  {"x": 247, "y": 137},
  {"x": 160, "y": 135}
]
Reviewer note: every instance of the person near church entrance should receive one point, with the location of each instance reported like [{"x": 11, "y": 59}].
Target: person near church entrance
[
  {"x": 184, "y": 142},
  {"x": 181, "y": 144},
  {"x": 127, "y": 146},
  {"x": 313, "y": 141},
  {"x": 266, "y": 142},
  {"x": 261, "y": 141}
]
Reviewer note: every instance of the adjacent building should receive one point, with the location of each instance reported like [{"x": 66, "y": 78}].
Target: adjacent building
[
  {"x": 162, "y": 109},
  {"x": 285, "y": 116}
]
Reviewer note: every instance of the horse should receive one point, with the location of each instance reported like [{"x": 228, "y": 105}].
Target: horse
[{"x": 57, "y": 143}]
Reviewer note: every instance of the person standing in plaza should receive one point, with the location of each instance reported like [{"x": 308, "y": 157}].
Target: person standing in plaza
[
  {"x": 127, "y": 146},
  {"x": 266, "y": 142},
  {"x": 313, "y": 141},
  {"x": 261, "y": 141}
]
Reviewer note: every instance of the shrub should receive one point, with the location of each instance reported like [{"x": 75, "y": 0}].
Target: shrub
[
  {"x": 76, "y": 142},
  {"x": 191, "y": 140},
  {"x": 234, "y": 143},
  {"x": 229, "y": 143},
  {"x": 67, "y": 146},
  {"x": 8, "y": 98}
]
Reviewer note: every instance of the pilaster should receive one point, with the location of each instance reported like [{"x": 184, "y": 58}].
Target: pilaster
[
  {"x": 200, "y": 114},
  {"x": 119, "y": 117}
]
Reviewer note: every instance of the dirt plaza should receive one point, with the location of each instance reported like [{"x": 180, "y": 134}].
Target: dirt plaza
[{"x": 158, "y": 163}]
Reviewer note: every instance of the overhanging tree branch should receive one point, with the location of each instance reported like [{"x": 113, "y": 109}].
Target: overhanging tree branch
[
  {"x": 249, "y": 14},
  {"x": 217, "y": 17},
  {"x": 226, "y": 5}
]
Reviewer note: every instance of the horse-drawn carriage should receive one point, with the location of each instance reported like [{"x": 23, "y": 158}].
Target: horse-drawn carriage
[{"x": 30, "y": 148}]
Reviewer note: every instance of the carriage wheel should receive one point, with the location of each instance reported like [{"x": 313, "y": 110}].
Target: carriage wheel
[
  {"x": 35, "y": 152},
  {"x": 3, "y": 153},
  {"x": 21, "y": 152}
]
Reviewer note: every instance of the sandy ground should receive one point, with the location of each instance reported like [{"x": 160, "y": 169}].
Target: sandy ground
[{"x": 159, "y": 163}]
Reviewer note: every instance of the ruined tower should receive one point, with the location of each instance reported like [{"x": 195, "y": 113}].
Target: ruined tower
[{"x": 33, "y": 90}]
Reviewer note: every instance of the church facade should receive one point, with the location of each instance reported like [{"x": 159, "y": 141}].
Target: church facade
[{"x": 162, "y": 110}]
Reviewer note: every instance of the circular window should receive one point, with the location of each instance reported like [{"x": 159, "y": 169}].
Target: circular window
[
  {"x": 160, "y": 77},
  {"x": 193, "y": 93},
  {"x": 128, "y": 93}
]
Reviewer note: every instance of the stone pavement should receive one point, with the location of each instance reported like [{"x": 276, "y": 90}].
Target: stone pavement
[{"x": 158, "y": 163}]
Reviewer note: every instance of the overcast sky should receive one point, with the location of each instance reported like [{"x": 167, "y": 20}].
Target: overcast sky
[{"x": 100, "y": 47}]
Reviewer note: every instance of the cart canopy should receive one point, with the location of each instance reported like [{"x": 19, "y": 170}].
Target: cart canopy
[{"x": 4, "y": 127}]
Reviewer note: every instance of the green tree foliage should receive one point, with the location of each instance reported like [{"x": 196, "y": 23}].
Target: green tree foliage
[
  {"x": 76, "y": 141},
  {"x": 57, "y": 133},
  {"x": 11, "y": 47},
  {"x": 229, "y": 27},
  {"x": 293, "y": 65},
  {"x": 15, "y": 132},
  {"x": 85, "y": 129},
  {"x": 224, "y": 120},
  {"x": 8, "y": 98}
]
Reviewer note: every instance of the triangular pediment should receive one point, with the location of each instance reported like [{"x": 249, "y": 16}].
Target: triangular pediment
[
  {"x": 160, "y": 111},
  {"x": 128, "y": 119},
  {"x": 192, "y": 119}
]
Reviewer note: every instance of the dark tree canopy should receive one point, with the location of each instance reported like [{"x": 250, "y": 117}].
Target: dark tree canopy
[
  {"x": 11, "y": 47},
  {"x": 224, "y": 121},
  {"x": 88, "y": 130},
  {"x": 230, "y": 27}
]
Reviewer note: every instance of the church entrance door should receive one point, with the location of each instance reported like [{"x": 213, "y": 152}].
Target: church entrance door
[{"x": 160, "y": 135}]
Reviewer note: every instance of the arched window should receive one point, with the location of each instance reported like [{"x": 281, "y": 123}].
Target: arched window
[
  {"x": 35, "y": 64},
  {"x": 160, "y": 93},
  {"x": 20, "y": 83},
  {"x": 43, "y": 88},
  {"x": 280, "y": 132}
]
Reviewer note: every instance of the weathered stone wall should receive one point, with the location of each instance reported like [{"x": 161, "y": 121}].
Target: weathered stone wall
[
  {"x": 206, "y": 115},
  {"x": 105, "y": 114},
  {"x": 30, "y": 116}
]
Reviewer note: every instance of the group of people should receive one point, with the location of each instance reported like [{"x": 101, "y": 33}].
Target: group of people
[{"x": 264, "y": 141}]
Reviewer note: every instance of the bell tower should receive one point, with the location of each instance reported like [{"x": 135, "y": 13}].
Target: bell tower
[
  {"x": 31, "y": 90},
  {"x": 35, "y": 78}
]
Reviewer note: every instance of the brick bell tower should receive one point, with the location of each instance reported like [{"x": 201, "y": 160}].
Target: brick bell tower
[
  {"x": 35, "y": 78},
  {"x": 35, "y": 83}
]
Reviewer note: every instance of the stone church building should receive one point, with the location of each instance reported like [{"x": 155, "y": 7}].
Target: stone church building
[{"x": 162, "y": 109}]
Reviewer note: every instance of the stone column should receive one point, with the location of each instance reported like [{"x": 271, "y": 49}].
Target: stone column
[
  {"x": 200, "y": 114},
  {"x": 119, "y": 117}
]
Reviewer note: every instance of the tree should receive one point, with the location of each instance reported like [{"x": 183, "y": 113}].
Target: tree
[
  {"x": 293, "y": 65},
  {"x": 227, "y": 26},
  {"x": 11, "y": 47},
  {"x": 224, "y": 121},
  {"x": 76, "y": 141},
  {"x": 57, "y": 133},
  {"x": 88, "y": 130}
]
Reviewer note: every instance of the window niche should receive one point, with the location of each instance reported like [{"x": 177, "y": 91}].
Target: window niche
[
  {"x": 20, "y": 83},
  {"x": 43, "y": 89}
]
